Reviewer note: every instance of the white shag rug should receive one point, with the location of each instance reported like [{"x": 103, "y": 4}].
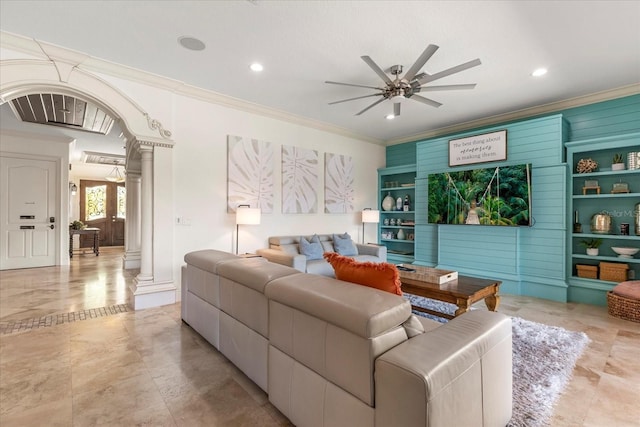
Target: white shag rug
[{"x": 543, "y": 361}]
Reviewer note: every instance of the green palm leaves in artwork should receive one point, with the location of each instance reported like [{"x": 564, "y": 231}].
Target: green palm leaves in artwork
[{"x": 491, "y": 196}]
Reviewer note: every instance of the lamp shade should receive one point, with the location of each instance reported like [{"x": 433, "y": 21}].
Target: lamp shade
[
  {"x": 370, "y": 215},
  {"x": 247, "y": 216}
]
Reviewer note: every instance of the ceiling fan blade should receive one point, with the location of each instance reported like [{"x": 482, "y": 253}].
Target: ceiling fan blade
[
  {"x": 425, "y": 100},
  {"x": 350, "y": 84},
  {"x": 371, "y": 106},
  {"x": 446, "y": 87},
  {"x": 422, "y": 59},
  {"x": 377, "y": 69},
  {"x": 396, "y": 109},
  {"x": 426, "y": 78},
  {"x": 357, "y": 97}
]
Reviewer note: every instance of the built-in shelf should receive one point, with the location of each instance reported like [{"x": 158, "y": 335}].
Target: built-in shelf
[
  {"x": 619, "y": 206},
  {"x": 403, "y": 184}
]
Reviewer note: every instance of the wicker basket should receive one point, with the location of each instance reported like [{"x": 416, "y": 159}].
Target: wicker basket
[
  {"x": 587, "y": 271},
  {"x": 623, "y": 307},
  {"x": 613, "y": 271}
]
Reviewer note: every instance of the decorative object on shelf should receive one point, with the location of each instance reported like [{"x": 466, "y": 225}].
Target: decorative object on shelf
[
  {"x": 620, "y": 187},
  {"x": 586, "y": 166},
  {"x": 592, "y": 246},
  {"x": 386, "y": 221},
  {"x": 617, "y": 163},
  {"x": 392, "y": 221},
  {"x": 399, "y": 204},
  {"x": 369, "y": 216},
  {"x": 636, "y": 215},
  {"x": 410, "y": 236},
  {"x": 406, "y": 206},
  {"x": 387, "y": 234},
  {"x": 388, "y": 202},
  {"x": 633, "y": 160},
  {"x": 77, "y": 225},
  {"x": 625, "y": 252},
  {"x": 601, "y": 223},
  {"x": 624, "y": 229},
  {"x": 577, "y": 227},
  {"x": 613, "y": 271},
  {"x": 587, "y": 271},
  {"x": 401, "y": 234}
]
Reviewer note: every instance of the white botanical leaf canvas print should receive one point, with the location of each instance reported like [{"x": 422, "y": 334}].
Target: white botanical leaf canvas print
[
  {"x": 250, "y": 169},
  {"x": 338, "y": 183},
  {"x": 299, "y": 180}
]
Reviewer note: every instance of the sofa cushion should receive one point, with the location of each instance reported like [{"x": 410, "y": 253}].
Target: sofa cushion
[
  {"x": 311, "y": 248},
  {"x": 343, "y": 244},
  {"x": 383, "y": 275}
]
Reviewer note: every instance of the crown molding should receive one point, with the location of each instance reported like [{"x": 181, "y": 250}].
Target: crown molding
[
  {"x": 525, "y": 113},
  {"x": 91, "y": 64}
]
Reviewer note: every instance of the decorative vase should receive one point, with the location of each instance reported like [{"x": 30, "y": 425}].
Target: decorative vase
[
  {"x": 617, "y": 166},
  {"x": 592, "y": 251},
  {"x": 388, "y": 202},
  {"x": 401, "y": 234},
  {"x": 399, "y": 204}
]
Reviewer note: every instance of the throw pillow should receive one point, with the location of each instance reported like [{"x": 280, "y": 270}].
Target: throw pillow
[
  {"x": 383, "y": 275},
  {"x": 311, "y": 248},
  {"x": 344, "y": 245}
]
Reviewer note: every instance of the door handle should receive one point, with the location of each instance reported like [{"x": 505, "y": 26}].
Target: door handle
[
  {"x": 27, "y": 227},
  {"x": 52, "y": 226}
]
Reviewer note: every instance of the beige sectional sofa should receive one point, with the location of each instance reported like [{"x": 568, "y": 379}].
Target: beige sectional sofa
[
  {"x": 332, "y": 353},
  {"x": 285, "y": 250}
]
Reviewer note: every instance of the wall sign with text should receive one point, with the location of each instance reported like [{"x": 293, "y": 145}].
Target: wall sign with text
[{"x": 488, "y": 147}]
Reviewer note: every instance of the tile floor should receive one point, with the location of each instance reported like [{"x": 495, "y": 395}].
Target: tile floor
[{"x": 148, "y": 368}]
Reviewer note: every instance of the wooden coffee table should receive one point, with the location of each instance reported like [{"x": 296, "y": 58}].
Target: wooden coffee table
[{"x": 463, "y": 291}]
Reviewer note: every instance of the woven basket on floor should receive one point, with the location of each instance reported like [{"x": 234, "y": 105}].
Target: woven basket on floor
[{"x": 623, "y": 307}]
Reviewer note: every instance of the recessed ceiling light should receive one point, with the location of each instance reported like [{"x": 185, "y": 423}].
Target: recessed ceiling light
[
  {"x": 191, "y": 43},
  {"x": 256, "y": 67},
  {"x": 539, "y": 72},
  {"x": 389, "y": 117}
]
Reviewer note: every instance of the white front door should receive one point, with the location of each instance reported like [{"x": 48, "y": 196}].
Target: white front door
[{"x": 27, "y": 213}]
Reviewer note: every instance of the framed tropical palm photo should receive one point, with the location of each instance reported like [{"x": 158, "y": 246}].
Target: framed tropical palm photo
[{"x": 491, "y": 196}]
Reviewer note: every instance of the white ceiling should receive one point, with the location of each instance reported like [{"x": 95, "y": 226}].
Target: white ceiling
[{"x": 588, "y": 47}]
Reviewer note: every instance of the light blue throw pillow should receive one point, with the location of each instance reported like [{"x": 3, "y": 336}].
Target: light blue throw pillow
[
  {"x": 344, "y": 245},
  {"x": 312, "y": 248}
]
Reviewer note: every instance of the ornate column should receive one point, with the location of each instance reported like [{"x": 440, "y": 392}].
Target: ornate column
[
  {"x": 131, "y": 258},
  {"x": 146, "y": 217}
]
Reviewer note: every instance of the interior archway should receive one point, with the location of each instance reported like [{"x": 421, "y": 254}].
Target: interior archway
[{"x": 144, "y": 137}]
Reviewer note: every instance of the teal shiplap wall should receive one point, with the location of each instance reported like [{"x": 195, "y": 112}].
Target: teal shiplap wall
[
  {"x": 529, "y": 260},
  {"x": 499, "y": 252}
]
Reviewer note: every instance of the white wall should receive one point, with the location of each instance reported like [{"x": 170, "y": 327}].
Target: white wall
[
  {"x": 200, "y": 176},
  {"x": 198, "y": 172}
]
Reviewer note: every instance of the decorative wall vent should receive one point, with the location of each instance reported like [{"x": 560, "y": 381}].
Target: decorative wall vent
[{"x": 62, "y": 110}]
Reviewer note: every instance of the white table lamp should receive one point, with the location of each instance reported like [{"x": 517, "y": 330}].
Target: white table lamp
[
  {"x": 246, "y": 215},
  {"x": 371, "y": 216}
]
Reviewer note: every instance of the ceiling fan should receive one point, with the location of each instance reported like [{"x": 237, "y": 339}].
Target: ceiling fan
[{"x": 410, "y": 84}]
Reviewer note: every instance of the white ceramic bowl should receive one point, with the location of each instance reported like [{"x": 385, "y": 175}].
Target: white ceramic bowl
[{"x": 626, "y": 252}]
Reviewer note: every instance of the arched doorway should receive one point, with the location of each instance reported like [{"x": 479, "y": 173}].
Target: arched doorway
[{"x": 148, "y": 147}]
